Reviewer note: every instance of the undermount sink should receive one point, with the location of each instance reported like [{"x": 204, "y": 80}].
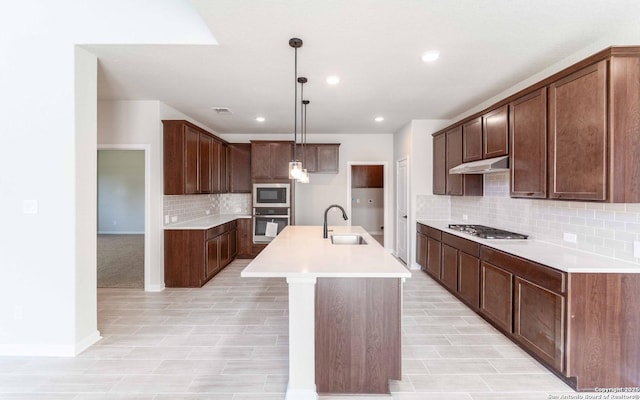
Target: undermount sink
[{"x": 348, "y": 238}]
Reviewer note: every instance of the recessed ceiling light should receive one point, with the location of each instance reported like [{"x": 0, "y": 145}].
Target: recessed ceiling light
[
  {"x": 379, "y": 119},
  {"x": 333, "y": 80},
  {"x": 260, "y": 119},
  {"x": 430, "y": 56}
]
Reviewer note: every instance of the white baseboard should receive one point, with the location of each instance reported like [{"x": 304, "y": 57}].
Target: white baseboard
[
  {"x": 415, "y": 266},
  {"x": 301, "y": 394},
  {"x": 50, "y": 350},
  {"x": 155, "y": 288}
]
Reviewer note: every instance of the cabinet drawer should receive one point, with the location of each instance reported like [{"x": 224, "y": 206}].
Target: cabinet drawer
[
  {"x": 429, "y": 231},
  {"x": 461, "y": 244},
  {"x": 422, "y": 228},
  {"x": 215, "y": 231},
  {"x": 549, "y": 278}
]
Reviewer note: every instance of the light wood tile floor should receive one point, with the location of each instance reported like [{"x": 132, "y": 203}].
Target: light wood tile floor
[{"x": 228, "y": 341}]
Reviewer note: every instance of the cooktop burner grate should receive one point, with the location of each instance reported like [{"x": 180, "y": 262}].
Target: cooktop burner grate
[{"x": 486, "y": 232}]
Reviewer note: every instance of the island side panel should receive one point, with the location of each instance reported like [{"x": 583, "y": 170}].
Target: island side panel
[{"x": 358, "y": 334}]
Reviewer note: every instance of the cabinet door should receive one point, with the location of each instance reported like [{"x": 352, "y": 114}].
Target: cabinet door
[
  {"x": 578, "y": 135},
  {"x": 206, "y": 163},
  {"x": 223, "y": 168},
  {"x": 367, "y": 176},
  {"x": 225, "y": 253},
  {"x": 469, "y": 279},
  {"x": 191, "y": 161},
  {"x": 233, "y": 244},
  {"x": 240, "y": 168},
  {"x": 421, "y": 251},
  {"x": 472, "y": 140},
  {"x": 261, "y": 160},
  {"x": 245, "y": 240},
  {"x": 496, "y": 295},
  {"x": 308, "y": 154},
  {"x": 434, "y": 249},
  {"x": 449, "y": 267},
  {"x": 440, "y": 164},
  {"x": 528, "y": 121},
  {"x": 280, "y": 155},
  {"x": 454, "y": 158},
  {"x": 328, "y": 158},
  {"x": 496, "y": 133},
  {"x": 212, "y": 264},
  {"x": 539, "y": 321}
]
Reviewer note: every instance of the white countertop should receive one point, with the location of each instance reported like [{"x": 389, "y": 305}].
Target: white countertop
[
  {"x": 558, "y": 257},
  {"x": 206, "y": 222},
  {"x": 301, "y": 252}
]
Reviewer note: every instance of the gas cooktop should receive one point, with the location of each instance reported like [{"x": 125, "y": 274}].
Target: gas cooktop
[{"x": 486, "y": 232}]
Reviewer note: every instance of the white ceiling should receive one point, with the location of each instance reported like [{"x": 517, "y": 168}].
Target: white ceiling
[{"x": 486, "y": 46}]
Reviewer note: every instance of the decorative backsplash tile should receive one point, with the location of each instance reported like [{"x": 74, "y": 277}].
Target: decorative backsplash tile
[
  {"x": 190, "y": 207},
  {"x": 604, "y": 229}
]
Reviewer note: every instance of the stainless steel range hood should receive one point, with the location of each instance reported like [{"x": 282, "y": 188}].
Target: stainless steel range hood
[{"x": 488, "y": 166}]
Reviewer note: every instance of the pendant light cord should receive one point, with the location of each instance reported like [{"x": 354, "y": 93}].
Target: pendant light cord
[{"x": 295, "y": 102}]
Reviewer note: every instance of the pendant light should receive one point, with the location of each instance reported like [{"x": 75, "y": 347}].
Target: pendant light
[
  {"x": 295, "y": 167},
  {"x": 305, "y": 174}
]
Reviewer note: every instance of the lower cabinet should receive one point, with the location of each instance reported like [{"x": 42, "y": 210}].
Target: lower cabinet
[
  {"x": 449, "y": 273},
  {"x": 434, "y": 257},
  {"x": 496, "y": 302},
  {"x": 193, "y": 256},
  {"x": 469, "y": 279}
]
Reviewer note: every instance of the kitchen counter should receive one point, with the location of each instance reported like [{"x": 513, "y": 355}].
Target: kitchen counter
[
  {"x": 206, "y": 222},
  {"x": 558, "y": 257},
  {"x": 300, "y": 251},
  {"x": 351, "y": 292}
]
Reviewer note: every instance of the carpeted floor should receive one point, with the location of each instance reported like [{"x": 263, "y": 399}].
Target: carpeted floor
[{"x": 121, "y": 261}]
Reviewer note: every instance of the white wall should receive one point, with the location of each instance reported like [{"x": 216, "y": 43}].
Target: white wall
[
  {"x": 48, "y": 154},
  {"x": 367, "y": 209},
  {"x": 414, "y": 142},
  {"x": 326, "y": 189},
  {"x": 121, "y": 188}
]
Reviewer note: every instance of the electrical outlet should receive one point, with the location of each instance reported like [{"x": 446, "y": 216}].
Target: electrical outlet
[
  {"x": 465, "y": 217},
  {"x": 174, "y": 218},
  {"x": 29, "y": 206},
  {"x": 570, "y": 237},
  {"x": 636, "y": 249},
  {"x": 166, "y": 219},
  {"x": 208, "y": 212}
]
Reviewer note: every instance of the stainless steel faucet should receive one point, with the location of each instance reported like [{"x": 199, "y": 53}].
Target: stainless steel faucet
[{"x": 325, "y": 230}]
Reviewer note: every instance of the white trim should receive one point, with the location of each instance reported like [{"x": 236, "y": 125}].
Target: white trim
[
  {"x": 41, "y": 350},
  {"x": 154, "y": 288},
  {"x": 385, "y": 183},
  {"x": 408, "y": 205},
  {"x": 301, "y": 394},
  {"x": 147, "y": 204},
  {"x": 120, "y": 233}
]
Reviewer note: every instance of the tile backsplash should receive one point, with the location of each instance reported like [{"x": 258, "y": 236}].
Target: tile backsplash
[
  {"x": 190, "y": 207},
  {"x": 601, "y": 228}
]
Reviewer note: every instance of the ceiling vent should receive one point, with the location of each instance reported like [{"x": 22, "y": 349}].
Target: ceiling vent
[{"x": 222, "y": 110}]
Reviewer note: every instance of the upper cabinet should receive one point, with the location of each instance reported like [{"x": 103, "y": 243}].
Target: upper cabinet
[
  {"x": 367, "y": 176},
  {"x": 528, "y": 128},
  {"x": 578, "y": 135},
  {"x": 322, "y": 158},
  {"x": 495, "y": 126},
  {"x": 457, "y": 185},
  {"x": 270, "y": 160},
  {"x": 194, "y": 160},
  {"x": 472, "y": 140},
  {"x": 573, "y": 136},
  {"x": 240, "y": 168}
]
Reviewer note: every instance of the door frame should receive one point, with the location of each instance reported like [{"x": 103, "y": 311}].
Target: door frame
[
  {"x": 409, "y": 216},
  {"x": 147, "y": 202},
  {"x": 387, "y": 195}
]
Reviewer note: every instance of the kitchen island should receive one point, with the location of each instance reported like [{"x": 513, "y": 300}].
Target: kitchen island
[{"x": 345, "y": 308}]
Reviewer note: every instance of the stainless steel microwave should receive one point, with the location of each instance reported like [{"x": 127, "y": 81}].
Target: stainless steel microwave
[{"x": 271, "y": 194}]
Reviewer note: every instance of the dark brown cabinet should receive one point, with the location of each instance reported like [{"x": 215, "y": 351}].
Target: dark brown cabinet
[
  {"x": 428, "y": 250},
  {"x": 539, "y": 321},
  {"x": 193, "y": 256},
  {"x": 240, "y": 168},
  {"x": 322, "y": 158},
  {"x": 458, "y": 185},
  {"x": 469, "y": 279},
  {"x": 449, "y": 272},
  {"x": 578, "y": 135},
  {"x": 528, "y": 156},
  {"x": 496, "y": 295},
  {"x": 434, "y": 257},
  {"x": 193, "y": 162},
  {"x": 270, "y": 160},
  {"x": 421, "y": 250},
  {"x": 367, "y": 176},
  {"x": 440, "y": 171},
  {"x": 495, "y": 126},
  {"x": 472, "y": 140}
]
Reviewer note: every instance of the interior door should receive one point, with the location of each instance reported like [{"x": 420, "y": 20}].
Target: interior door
[{"x": 402, "y": 207}]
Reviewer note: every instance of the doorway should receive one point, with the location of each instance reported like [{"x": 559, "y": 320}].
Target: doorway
[
  {"x": 367, "y": 198},
  {"x": 121, "y": 218}
]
